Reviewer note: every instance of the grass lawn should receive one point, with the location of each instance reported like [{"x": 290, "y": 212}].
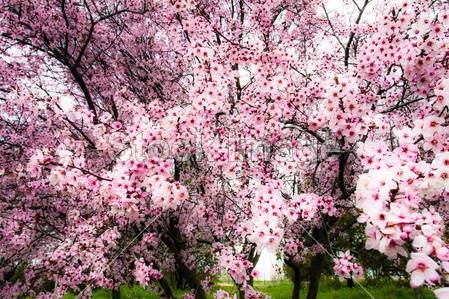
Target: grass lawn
[{"x": 283, "y": 289}]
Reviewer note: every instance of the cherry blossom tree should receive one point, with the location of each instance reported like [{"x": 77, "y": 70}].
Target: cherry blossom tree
[{"x": 144, "y": 137}]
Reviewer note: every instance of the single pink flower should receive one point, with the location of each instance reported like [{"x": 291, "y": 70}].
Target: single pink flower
[{"x": 422, "y": 268}]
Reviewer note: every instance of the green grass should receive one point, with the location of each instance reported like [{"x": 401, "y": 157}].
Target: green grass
[{"x": 283, "y": 289}]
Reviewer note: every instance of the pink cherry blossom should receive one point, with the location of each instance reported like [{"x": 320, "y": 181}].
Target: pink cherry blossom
[
  {"x": 422, "y": 268},
  {"x": 442, "y": 293}
]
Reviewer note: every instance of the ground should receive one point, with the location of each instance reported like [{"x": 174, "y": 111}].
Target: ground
[{"x": 282, "y": 290}]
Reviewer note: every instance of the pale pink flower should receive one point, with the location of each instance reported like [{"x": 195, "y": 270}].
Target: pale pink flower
[
  {"x": 422, "y": 269},
  {"x": 426, "y": 244},
  {"x": 443, "y": 253},
  {"x": 442, "y": 293}
]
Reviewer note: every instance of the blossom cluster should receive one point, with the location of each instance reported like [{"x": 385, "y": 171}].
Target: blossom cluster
[
  {"x": 145, "y": 273},
  {"x": 345, "y": 267},
  {"x": 236, "y": 266},
  {"x": 390, "y": 197}
]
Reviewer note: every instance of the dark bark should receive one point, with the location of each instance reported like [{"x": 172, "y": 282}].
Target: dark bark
[
  {"x": 342, "y": 160},
  {"x": 296, "y": 267},
  {"x": 419, "y": 294},
  {"x": 319, "y": 236},
  {"x": 350, "y": 282},
  {"x": 192, "y": 279},
  {"x": 168, "y": 293},
  {"x": 296, "y": 283},
  {"x": 173, "y": 240},
  {"x": 179, "y": 279},
  {"x": 352, "y": 34},
  {"x": 116, "y": 293},
  {"x": 316, "y": 268},
  {"x": 190, "y": 276},
  {"x": 241, "y": 293},
  {"x": 177, "y": 170},
  {"x": 254, "y": 259},
  {"x": 80, "y": 81}
]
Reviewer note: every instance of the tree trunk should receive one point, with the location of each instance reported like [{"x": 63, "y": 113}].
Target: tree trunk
[
  {"x": 241, "y": 292},
  {"x": 296, "y": 282},
  {"x": 116, "y": 293},
  {"x": 296, "y": 267},
  {"x": 174, "y": 243},
  {"x": 166, "y": 288},
  {"x": 419, "y": 294},
  {"x": 190, "y": 276},
  {"x": 253, "y": 257},
  {"x": 192, "y": 280},
  {"x": 178, "y": 278},
  {"x": 316, "y": 268},
  {"x": 350, "y": 282}
]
